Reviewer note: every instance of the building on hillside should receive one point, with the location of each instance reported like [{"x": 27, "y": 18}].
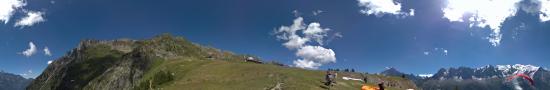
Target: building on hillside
[{"x": 252, "y": 59}]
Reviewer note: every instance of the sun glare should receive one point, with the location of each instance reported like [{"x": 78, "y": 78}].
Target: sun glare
[{"x": 484, "y": 13}]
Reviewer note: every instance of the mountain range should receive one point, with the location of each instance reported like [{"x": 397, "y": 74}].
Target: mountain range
[
  {"x": 490, "y": 77},
  {"x": 9, "y": 81},
  {"x": 173, "y": 63}
]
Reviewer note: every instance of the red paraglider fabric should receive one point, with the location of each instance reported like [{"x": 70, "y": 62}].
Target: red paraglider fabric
[{"x": 524, "y": 77}]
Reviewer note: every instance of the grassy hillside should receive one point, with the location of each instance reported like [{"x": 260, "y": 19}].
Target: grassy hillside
[
  {"x": 173, "y": 63},
  {"x": 195, "y": 74}
]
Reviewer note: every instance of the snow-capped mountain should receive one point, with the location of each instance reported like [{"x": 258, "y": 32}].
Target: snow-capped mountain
[
  {"x": 517, "y": 68},
  {"x": 490, "y": 77},
  {"x": 489, "y": 71}
]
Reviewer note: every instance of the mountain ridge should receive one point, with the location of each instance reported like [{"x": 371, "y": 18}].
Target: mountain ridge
[
  {"x": 486, "y": 77},
  {"x": 9, "y": 81},
  {"x": 168, "y": 62}
]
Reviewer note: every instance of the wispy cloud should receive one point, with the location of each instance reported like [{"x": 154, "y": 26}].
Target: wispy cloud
[
  {"x": 30, "y": 51},
  {"x": 426, "y": 53},
  {"x": 31, "y": 19},
  {"x": 437, "y": 51},
  {"x": 47, "y": 51},
  {"x": 317, "y": 12}
]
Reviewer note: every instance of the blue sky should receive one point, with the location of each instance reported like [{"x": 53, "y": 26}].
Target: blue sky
[{"x": 416, "y": 43}]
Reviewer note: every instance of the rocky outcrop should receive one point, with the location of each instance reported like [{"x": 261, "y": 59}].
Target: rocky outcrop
[{"x": 110, "y": 65}]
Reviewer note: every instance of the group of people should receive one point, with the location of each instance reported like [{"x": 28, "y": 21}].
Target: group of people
[{"x": 331, "y": 76}]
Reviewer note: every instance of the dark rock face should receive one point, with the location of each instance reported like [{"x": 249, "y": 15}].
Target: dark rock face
[
  {"x": 10, "y": 81},
  {"x": 109, "y": 65},
  {"x": 542, "y": 79}
]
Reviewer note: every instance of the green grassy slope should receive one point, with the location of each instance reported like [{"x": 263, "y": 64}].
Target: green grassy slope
[
  {"x": 190, "y": 74},
  {"x": 173, "y": 63}
]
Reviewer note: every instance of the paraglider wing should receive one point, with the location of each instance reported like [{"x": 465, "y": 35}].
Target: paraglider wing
[{"x": 524, "y": 77}]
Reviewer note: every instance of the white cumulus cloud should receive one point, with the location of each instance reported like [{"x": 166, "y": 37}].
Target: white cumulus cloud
[
  {"x": 50, "y": 62},
  {"x": 298, "y": 37},
  {"x": 30, "y": 51},
  {"x": 47, "y": 51},
  {"x": 307, "y": 64},
  {"x": 315, "y": 32},
  {"x": 317, "y": 54},
  {"x": 8, "y": 7},
  {"x": 289, "y": 33},
  {"x": 491, "y": 13},
  {"x": 31, "y": 19},
  {"x": 544, "y": 10},
  {"x": 381, "y": 7}
]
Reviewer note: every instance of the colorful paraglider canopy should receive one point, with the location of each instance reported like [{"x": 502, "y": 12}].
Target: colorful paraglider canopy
[{"x": 524, "y": 77}]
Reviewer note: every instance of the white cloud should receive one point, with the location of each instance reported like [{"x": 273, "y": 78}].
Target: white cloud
[
  {"x": 307, "y": 64},
  {"x": 50, "y": 62},
  {"x": 289, "y": 33},
  {"x": 338, "y": 35},
  {"x": 31, "y": 19},
  {"x": 436, "y": 51},
  {"x": 8, "y": 7},
  {"x": 317, "y": 12},
  {"x": 315, "y": 32},
  {"x": 317, "y": 54},
  {"x": 544, "y": 10},
  {"x": 425, "y": 75},
  {"x": 30, "y": 51},
  {"x": 491, "y": 13},
  {"x": 298, "y": 36},
  {"x": 381, "y": 7},
  {"x": 411, "y": 12},
  {"x": 334, "y": 36},
  {"x": 445, "y": 52},
  {"x": 537, "y": 7},
  {"x": 47, "y": 51},
  {"x": 27, "y": 74}
]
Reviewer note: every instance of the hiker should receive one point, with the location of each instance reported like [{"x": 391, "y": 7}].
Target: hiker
[
  {"x": 365, "y": 87},
  {"x": 381, "y": 86},
  {"x": 365, "y": 79},
  {"x": 329, "y": 78}
]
